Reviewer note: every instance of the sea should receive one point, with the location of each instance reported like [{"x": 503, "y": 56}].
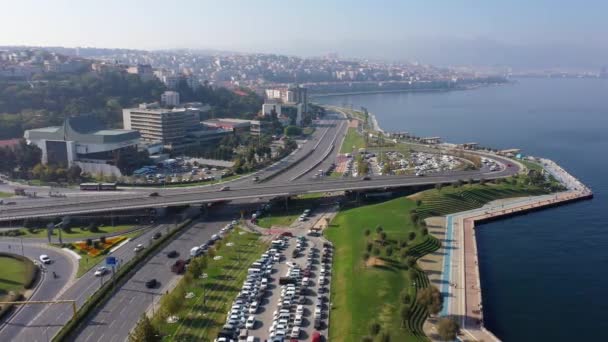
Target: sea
[{"x": 545, "y": 274}]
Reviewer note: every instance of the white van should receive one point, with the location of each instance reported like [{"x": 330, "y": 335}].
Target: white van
[{"x": 195, "y": 251}]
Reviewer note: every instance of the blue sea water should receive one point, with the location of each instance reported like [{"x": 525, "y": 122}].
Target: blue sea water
[{"x": 544, "y": 275}]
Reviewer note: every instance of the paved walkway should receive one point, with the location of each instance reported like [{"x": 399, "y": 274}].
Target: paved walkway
[{"x": 460, "y": 282}]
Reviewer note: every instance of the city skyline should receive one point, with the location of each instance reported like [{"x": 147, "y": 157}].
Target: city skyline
[{"x": 543, "y": 34}]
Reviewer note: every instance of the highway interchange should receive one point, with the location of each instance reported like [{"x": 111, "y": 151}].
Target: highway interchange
[{"x": 113, "y": 321}]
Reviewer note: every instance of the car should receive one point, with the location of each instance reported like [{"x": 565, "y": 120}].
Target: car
[
  {"x": 45, "y": 259},
  {"x": 298, "y": 321},
  {"x": 173, "y": 254},
  {"x": 154, "y": 194},
  {"x": 295, "y": 332},
  {"x": 101, "y": 271},
  {"x": 138, "y": 248},
  {"x": 253, "y": 308},
  {"x": 366, "y": 178},
  {"x": 157, "y": 235},
  {"x": 179, "y": 266},
  {"x": 151, "y": 283},
  {"x": 250, "y": 322},
  {"x": 225, "y": 188}
]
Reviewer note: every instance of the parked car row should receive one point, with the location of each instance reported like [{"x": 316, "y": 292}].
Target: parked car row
[{"x": 241, "y": 316}]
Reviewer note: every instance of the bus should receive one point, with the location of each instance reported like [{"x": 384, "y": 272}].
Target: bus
[{"x": 98, "y": 186}]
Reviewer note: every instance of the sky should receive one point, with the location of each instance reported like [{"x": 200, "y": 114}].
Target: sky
[{"x": 526, "y": 33}]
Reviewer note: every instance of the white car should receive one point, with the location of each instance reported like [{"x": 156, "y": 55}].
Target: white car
[
  {"x": 295, "y": 332},
  {"x": 45, "y": 259},
  {"x": 250, "y": 322},
  {"x": 101, "y": 271},
  {"x": 138, "y": 248},
  {"x": 253, "y": 308}
]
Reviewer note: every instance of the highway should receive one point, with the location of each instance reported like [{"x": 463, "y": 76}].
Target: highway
[
  {"x": 238, "y": 192},
  {"x": 35, "y": 323}
]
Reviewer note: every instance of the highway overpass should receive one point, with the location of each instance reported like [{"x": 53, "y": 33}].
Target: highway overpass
[{"x": 175, "y": 197}]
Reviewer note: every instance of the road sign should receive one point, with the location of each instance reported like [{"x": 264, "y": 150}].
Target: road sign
[{"x": 110, "y": 261}]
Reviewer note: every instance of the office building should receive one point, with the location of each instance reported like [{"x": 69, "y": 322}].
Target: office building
[
  {"x": 169, "y": 98},
  {"x": 167, "y": 126}
]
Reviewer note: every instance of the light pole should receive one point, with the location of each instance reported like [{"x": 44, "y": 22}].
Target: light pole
[{"x": 204, "y": 276}]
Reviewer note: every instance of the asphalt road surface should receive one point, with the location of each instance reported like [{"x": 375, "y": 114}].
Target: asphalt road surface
[
  {"x": 252, "y": 191},
  {"x": 34, "y": 322}
]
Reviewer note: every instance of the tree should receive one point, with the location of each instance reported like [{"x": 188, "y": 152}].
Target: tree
[
  {"x": 405, "y": 297},
  {"x": 411, "y": 236},
  {"x": 431, "y": 298},
  {"x": 379, "y": 229},
  {"x": 411, "y": 261},
  {"x": 389, "y": 251},
  {"x": 376, "y": 251},
  {"x": 291, "y": 131},
  {"x": 418, "y": 203},
  {"x": 382, "y": 237},
  {"x": 374, "y": 328},
  {"x": 385, "y": 337},
  {"x": 448, "y": 329},
  {"x": 367, "y": 339},
  {"x": 366, "y": 232},
  {"x": 144, "y": 331},
  {"x": 365, "y": 256},
  {"x": 425, "y": 231},
  {"x": 404, "y": 313},
  {"x": 369, "y": 247},
  {"x": 73, "y": 174},
  {"x": 414, "y": 216}
]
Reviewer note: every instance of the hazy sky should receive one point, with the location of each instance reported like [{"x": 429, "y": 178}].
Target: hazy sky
[{"x": 516, "y": 32}]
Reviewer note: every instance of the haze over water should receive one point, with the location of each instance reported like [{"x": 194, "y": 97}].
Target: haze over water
[{"x": 543, "y": 274}]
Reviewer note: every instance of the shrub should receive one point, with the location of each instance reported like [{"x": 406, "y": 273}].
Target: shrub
[
  {"x": 389, "y": 251},
  {"x": 374, "y": 328},
  {"x": 448, "y": 329},
  {"x": 411, "y": 236},
  {"x": 89, "y": 242},
  {"x": 425, "y": 231},
  {"x": 369, "y": 246},
  {"x": 102, "y": 239}
]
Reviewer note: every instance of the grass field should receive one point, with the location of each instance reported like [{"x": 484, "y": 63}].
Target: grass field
[
  {"x": 451, "y": 200},
  {"x": 352, "y": 139},
  {"x": 12, "y": 275},
  {"x": 279, "y": 216},
  {"x": 364, "y": 294},
  {"x": 200, "y": 321},
  {"x": 5, "y": 194},
  {"x": 78, "y": 232},
  {"x": 532, "y": 165}
]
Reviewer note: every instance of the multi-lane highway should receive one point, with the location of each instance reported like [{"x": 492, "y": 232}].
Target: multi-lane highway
[
  {"x": 240, "y": 191},
  {"x": 35, "y": 323}
]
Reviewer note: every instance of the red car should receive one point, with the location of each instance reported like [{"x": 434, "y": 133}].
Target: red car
[
  {"x": 316, "y": 337},
  {"x": 288, "y": 234}
]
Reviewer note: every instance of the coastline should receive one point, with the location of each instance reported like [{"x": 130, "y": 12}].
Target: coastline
[
  {"x": 460, "y": 278},
  {"x": 387, "y": 91}
]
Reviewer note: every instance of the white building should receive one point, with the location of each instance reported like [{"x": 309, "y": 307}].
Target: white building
[{"x": 170, "y": 98}]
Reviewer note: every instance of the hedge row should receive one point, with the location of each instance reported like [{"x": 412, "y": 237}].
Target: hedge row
[
  {"x": 106, "y": 291},
  {"x": 6, "y": 309}
]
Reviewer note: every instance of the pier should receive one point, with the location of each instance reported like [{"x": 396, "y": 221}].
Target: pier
[{"x": 460, "y": 282}]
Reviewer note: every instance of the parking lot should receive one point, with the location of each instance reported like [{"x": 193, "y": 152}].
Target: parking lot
[{"x": 286, "y": 293}]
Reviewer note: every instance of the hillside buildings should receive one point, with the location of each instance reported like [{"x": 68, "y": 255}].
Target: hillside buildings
[{"x": 291, "y": 102}]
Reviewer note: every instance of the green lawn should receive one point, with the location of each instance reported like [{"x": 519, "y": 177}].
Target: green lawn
[
  {"x": 279, "y": 216},
  {"x": 451, "y": 200},
  {"x": 279, "y": 219},
  {"x": 12, "y": 275},
  {"x": 532, "y": 165},
  {"x": 78, "y": 232},
  {"x": 200, "y": 321},
  {"x": 353, "y": 138},
  {"x": 5, "y": 194},
  {"x": 224, "y": 179},
  {"x": 364, "y": 294},
  {"x": 87, "y": 262}
]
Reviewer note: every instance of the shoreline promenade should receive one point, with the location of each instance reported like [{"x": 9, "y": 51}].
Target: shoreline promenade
[{"x": 460, "y": 282}]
